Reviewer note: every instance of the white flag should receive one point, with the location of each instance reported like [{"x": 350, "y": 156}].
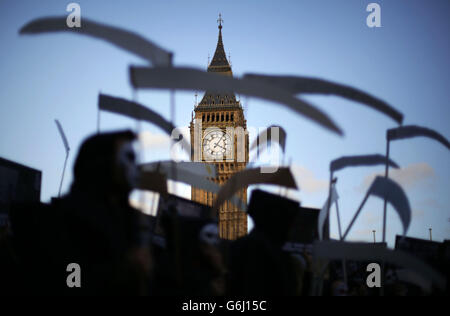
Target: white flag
[
  {"x": 167, "y": 166},
  {"x": 409, "y": 131},
  {"x": 126, "y": 40},
  {"x": 364, "y": 160},
  {"x": 63, "y": 136},
  {"x": 139, "y": 112},
  {"x": 333, "y": 250},
  {"x": 246, "y": 177},
  {"x": 271, "y": 134},
  {"x": 296, "y": 85},
  {"x": 194, "y": 79},
  {"x": 389, "y": 190},
  {"x": 182, "y": 173},
  {"x": 324, "y": 212}
]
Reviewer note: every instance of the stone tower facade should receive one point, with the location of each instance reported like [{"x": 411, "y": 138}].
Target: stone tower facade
[{"x": 222, "y": 141}]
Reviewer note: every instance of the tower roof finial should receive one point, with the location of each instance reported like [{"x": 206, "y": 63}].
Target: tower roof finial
[
  {"x": 220, "y": 21},
  {"x": 219, "y": 61},
  {"x": 220, "y": 65}
]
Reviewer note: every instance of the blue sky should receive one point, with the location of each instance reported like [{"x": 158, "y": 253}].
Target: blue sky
[{"x": 405, "y": 62}]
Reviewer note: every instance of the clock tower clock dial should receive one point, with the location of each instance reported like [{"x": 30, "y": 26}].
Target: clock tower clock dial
[
  {"x": 216, "y": 132},
  {"x": 217, "y": 145}
]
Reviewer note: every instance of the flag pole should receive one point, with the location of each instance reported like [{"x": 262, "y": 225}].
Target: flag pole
[
  {"x": 98, "y": 115},
  {"x": 176, "y": 223},
  {"x": 64, "y": 170},
  {"x": 98, "y": 121},
  {"x": 386, "y": 175},
  {"x": 172, "y": 119},
  {"x": 140, "y": 153},
  {"x": 283, "y": 156},
  {"x": 339, "y": 220},
  {"x": 286, "y": 189},
  {"x": 344, "y": 262},
  {"x": 338, "y": 216},
  {"x": 67, "y": 148},
  {"x": 356, "y": 215},
  {"x": 319, "y": 282},
  {"x": 329, "y": 204}
]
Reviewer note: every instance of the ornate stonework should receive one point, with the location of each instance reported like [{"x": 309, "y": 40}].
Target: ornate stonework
[{"x": 220, "y": 114}]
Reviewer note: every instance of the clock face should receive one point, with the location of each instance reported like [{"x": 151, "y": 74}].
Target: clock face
[{"x": 217, "y": 145}]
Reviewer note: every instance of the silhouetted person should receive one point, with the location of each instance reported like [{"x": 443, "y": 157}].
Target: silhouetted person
[
  {"x": 11, "y": 279},
  {"x": 93, "y": 225},
  {"x": 192, "y": 263},
  {"x": 258, "y": 266}
]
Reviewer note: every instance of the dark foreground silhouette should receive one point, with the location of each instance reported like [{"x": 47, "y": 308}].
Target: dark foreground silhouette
[{"x": 121, "y": 251}]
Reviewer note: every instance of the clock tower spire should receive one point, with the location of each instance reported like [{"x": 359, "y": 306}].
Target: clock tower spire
[{"x": 223, "y": 129}]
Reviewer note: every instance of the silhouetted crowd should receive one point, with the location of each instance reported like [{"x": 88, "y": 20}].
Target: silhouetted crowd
[{"x": 120, "y": 253}]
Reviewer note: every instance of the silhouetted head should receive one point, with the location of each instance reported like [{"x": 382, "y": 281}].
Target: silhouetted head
[
  {"x": 272, "y": 214},
  {"x": 107, "y": 163}
]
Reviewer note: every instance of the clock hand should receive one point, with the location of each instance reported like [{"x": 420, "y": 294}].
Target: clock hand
[{"x": 219, "y": 141}]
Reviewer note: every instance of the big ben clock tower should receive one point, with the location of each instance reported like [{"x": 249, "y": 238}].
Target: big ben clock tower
[{"x": 222, "y": 140}]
